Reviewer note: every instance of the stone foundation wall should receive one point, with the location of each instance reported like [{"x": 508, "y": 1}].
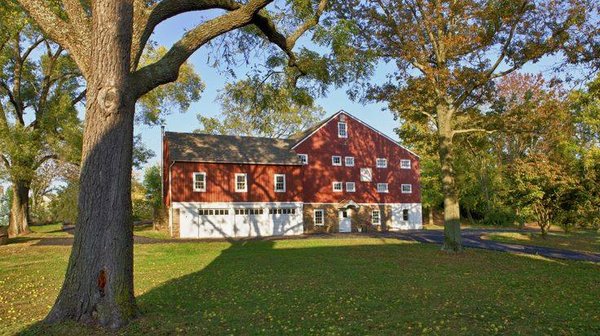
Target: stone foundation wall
[{"x": 361, "y": 218}]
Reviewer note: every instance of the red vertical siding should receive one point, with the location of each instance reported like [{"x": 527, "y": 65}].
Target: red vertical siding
[
  {"x": 365, "y": 145},
  {"x": 220, "y": 185}
]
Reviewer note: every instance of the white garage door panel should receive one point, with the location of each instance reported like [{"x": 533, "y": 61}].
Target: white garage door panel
[
  {"x": 201, "y": 220},
  {"x": 215, "y": 227},
  {"x": 187, "y": 225}
]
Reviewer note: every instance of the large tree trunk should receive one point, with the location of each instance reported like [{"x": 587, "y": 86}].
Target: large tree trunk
[
  {"x": 19, "y": 210},
  {"x": 452, "y": 237},
  {"x": 98, "y": 286}
]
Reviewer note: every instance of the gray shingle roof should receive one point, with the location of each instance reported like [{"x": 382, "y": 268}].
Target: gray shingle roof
[{"x": 197, "y": 147}]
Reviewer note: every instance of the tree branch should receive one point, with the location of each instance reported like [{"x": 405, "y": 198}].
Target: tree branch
[
  {"x": 166, "y": 70},
  {"x": 13, "y": 102},
  {"x": 470, "y": 130},
  {"x": 5, "y": 160},
  {"x": 44, "y": 159},
  {"x": 58, "y": 30},
  {"x": 146, "y": 19},
  {"x": 80, "y": 22}
]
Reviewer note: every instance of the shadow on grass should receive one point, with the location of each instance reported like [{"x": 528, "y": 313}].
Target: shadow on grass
[{"x": 347, "y": 286}]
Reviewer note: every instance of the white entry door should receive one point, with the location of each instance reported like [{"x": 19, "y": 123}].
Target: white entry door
[{"x": 345, "y": 221}]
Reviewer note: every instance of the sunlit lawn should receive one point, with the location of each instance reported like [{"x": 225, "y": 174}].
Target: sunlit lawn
[
  {"x": 317, "y": 286},
  {"x": 585, "y": 241},
  {"x": 149, "y": 232}
]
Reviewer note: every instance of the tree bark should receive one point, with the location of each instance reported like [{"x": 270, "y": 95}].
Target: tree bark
[
  {"x": 452, "y": 237},
  {"x": 19, "y": 211},
  {"x": 98, "y": 286},
  {"x": 431, "y": 216}
]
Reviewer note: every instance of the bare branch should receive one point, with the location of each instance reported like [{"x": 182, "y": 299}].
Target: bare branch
[
  {"x": 471, "y": 130},
  {"x": 44, "y": 159},
  {"x": 166, "y": 70}
]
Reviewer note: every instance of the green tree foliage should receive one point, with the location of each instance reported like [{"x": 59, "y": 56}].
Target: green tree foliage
[
  {"x": 152, "y": 184},
  {"x": 39, "y": 87},
  {"x": 177, "y": 96},
  {"x": 253, "y": 107},
  {"x": 448, "y": 54},
  {"x": 61, "y": 205}
]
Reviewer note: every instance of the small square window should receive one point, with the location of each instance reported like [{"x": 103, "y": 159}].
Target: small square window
[
  {"x": 405, "y": 164},
  {"x": 382, "y": 187},
  {"x": 381, "y": 163},
  {"x": 318, "y": 218},
  {"x": 349, "y": 161},
  {"x": 342, "y": 130},
  {"x": 350, "y": 187},
  {"x": 407, "y": 188},
  {"x": 199, "y": 182},
  {"x": 376, "y": 217},
  {"x": 338, "y": 186},
  {"x": 336, "y": 160},
  {"x": 303, "y": 158},
  {"x": 241, "y": 183},
  {"x": 279, "y": 182}
]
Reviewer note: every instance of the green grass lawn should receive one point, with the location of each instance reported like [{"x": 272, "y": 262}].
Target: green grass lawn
[
  {"x": 149, "y": 232},
  {"x": 317, "y": 286},
  {"x": 585, "y": 241}
]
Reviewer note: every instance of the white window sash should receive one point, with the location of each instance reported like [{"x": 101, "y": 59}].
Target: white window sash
[
  {"x": 349, "y": 161},
  {"x": 303, "y": 158},
  {"x": 282, "y": 182},
  {"x": 378, "y": 221},
  {"x": 381, "y": 163},
  {"x": 408, "y": 191},
  {"x": 245, "y": 183},
  {"x": 405, "y": 164},
  {"x": 333, "y": 160},
  {"x": 342, "y": 130},
  {"x": 348, "y": 189},
  {"x": 203, "y": 189},
  {"x": 322, "y": 214},
  {"x": 337, "y": 183},
  {"x": 382, "y": 188}
]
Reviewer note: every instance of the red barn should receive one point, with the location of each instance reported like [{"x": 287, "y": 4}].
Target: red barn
[{"x": 339, "y": 176}]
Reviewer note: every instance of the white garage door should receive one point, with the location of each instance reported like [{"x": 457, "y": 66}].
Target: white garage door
[
  {"x": 286, "y": 221},
  {"x": 214, "y": 223},
  {"x": 250, "y": 222},
  {"x": 220, "y": 221}
]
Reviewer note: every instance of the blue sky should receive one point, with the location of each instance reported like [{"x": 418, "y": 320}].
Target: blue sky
[{"x": 170, "y": 31}]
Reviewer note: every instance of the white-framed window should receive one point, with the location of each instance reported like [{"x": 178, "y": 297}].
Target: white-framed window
[
  {"x": 405, "y": 164},
  {"x": 349, "y": 161},
  {"x": 366, "y": 174},
  {"x": 199, "y": 182},
  {"x": 303, "y": 158},
  {"x": 405, "y": 214},
  {"x": 336, "y": 160},
  {"x": 279, "y": 182},
  {"x": 319, "y": 217},
  {"x": 350, "y": 187},
  {"x": 382, "y": 187},
  {"x": 376, "y": 217},
  {"x": 338, "y": 186},
  {"x": 342, "y": 130},
  {"x": 241, "y": 182},
  {"x": 381, "y": 163},
  {"x": 406, "y": 188}
]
